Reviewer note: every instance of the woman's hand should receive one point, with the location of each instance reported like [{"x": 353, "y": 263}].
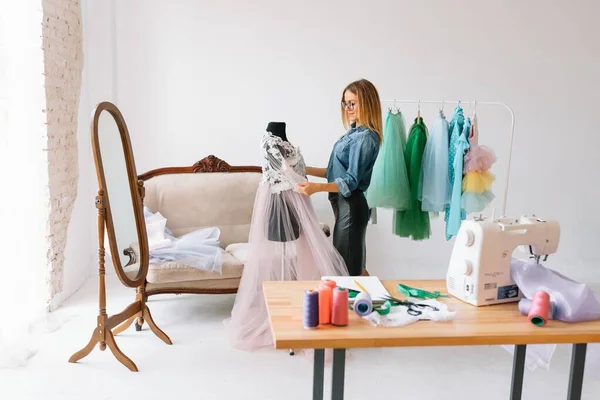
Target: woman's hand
[{"x": 308, "y": 188}]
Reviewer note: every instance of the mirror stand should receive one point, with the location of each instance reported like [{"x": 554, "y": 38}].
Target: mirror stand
[{"x": 103, "y": 333}]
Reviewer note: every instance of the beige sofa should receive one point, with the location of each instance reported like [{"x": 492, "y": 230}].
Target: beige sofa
[{"x": 209, "y": 193}]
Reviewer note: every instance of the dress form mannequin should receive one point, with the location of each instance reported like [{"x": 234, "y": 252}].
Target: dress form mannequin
[
  {"x": 302, "y": 255},
  {"x": 281, "y": 217},
  {"x": 277, "y": 129}
]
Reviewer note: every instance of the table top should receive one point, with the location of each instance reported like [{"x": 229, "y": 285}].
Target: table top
[{"x": 500, "y": 324}]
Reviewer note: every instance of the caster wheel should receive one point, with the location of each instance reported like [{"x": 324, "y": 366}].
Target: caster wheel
[
  {"x": 138, "y": 327},
  {"x": 292, "y": 352}
]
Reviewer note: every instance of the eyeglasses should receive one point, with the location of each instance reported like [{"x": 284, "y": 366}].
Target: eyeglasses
[{"x": 349, "y": 105}]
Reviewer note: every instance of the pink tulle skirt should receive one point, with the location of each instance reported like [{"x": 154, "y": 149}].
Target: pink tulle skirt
[
  {"x": 286, "y": 242},
  {"x": 480, "y": 158}
]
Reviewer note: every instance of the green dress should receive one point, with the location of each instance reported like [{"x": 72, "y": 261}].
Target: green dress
[
  {"x": 389, "y": 186},
  {"x": 414, "y": 222}
]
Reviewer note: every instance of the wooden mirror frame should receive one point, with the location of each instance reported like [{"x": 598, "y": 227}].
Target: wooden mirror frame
[
  {"x": 134, "y": 189},
  {"x": 107, "y": 327}
]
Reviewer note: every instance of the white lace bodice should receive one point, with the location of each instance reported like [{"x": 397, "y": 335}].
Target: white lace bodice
[{"x": 282, "y": 163}]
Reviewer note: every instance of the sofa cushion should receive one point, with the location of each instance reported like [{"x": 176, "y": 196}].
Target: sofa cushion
[
  {"x": 239, "y": 251},
  {"x": 198, "y": 200},
  {"x": 178, "y": 272}
]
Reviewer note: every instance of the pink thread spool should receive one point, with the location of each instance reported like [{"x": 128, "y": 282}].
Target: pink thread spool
[
  {"x": 540, "y": 308},
  {"x": 339, "y": 313},
  {"x": 325, "y": 304}
]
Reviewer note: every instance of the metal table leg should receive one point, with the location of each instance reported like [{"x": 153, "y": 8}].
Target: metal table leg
[
  {"x": 516, "y": 387},
  {"x": 318, "y": 374},
  {"x": 577, "y": 369},
  {"x": 337, "y": 374}
]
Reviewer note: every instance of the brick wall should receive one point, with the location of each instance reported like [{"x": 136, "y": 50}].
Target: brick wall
[{"x": 63, "y": 64}]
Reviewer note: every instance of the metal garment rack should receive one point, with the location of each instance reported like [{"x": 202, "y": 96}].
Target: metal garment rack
[{"x": 475, "y": 103}]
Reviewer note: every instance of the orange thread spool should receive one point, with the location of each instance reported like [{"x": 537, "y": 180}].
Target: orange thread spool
[
  {"x": 325, "y": 303},
  {"x": 329, "y": 283}
]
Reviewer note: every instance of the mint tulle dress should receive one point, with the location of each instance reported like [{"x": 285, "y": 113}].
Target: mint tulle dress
[
  {"x": 414, "y": 222},
  {"x": 389, "y": 182}
]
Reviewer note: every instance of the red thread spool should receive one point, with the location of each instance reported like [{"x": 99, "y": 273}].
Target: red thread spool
[
  {"x": 540, "y": 308},
  {"x": 325, "y": 304},
  {"x": 339, "y": 313}
]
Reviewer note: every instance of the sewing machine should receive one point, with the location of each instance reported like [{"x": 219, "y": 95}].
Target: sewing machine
[{"x": 479, "y": 270}]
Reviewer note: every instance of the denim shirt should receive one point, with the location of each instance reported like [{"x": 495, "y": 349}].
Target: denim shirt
[{"x": 352, "y": 159}]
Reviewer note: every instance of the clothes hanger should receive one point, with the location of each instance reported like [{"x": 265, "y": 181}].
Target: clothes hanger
[
  {"x": 419, "y": 112},
  {"x": 393, "y": 108}
]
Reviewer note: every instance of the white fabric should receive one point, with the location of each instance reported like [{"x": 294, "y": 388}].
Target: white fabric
[
  {"x": 399, "y": 315},
  {"x": 197, "y": 249},
  {"x": 156, "y": 226}
]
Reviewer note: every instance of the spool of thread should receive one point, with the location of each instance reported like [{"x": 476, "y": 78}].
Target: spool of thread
[
  {"x": 339, "y": 312},
  {"x": 310, "y": 316},
  {"x": 325, "y": 303},
  {"x": 329, "y": 283},
  {"x": 540, "y": 309},
  {"x": 332, "y": 285},
  {"x": 363, "y": 305},
  {"x": 525, "y": 306}
]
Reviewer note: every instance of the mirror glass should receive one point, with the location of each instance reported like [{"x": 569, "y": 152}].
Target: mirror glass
[{"x": 118, "y": 195}]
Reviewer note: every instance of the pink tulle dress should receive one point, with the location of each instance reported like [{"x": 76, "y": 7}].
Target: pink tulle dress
[
  {"x": 286, "y": 242},
  {"x": 478, "y": 158},
  {"x": 477, "y": 180}
]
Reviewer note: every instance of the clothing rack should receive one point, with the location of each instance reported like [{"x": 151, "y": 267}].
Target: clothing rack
[{"x": 476, "y": 103}]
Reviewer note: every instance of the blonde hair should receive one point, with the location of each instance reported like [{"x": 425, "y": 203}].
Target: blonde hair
[{"x": 369, "y": 107}]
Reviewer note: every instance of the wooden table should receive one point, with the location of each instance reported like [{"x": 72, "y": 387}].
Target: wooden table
[{"x": 500, "y": 324}]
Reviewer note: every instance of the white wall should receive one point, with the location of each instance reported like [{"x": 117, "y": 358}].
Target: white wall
[
  {"x": 81, "y": 253},
  {"x": 205, "y": 77}
]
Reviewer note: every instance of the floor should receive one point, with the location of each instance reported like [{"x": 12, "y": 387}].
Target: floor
[{"x": 201, "y": 365}]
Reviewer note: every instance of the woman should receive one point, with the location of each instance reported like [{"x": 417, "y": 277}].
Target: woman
[{"x": 349, "y": 172}]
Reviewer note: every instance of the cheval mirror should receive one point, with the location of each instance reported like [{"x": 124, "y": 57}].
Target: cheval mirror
[{"x": 120, "y": 215}]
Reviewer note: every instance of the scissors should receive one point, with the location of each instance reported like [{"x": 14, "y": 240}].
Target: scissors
[{"x": 414, "y": 309}]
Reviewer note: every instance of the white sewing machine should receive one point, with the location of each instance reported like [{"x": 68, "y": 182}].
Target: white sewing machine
[{"x": 479, "y": 270}]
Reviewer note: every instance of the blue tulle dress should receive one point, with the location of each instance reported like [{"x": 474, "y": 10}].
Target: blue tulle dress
[
  {"x": 389, "y": 186},
  {"x": 460, "y": 128},
  {"x": 434, "y": 186}
]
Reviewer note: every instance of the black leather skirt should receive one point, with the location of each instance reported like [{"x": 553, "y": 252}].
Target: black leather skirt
[{"x": 349, "y": 232}]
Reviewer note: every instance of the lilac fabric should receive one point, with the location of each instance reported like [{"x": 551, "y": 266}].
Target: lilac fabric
[{"x": 575, "y": 302}]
